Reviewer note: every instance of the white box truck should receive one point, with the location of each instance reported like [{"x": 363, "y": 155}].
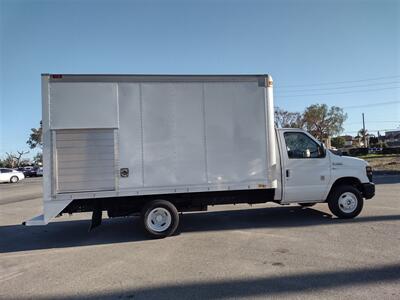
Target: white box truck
[{"x": 156, "y": 145}]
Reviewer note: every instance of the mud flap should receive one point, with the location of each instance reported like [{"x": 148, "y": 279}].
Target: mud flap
[{"x": 96, "y": 217}]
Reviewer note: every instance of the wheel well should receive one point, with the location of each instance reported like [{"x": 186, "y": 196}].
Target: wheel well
[{"x": 347, "y": 181}]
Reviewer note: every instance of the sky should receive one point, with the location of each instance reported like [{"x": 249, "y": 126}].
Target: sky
[{"x": 344, "y": 53}]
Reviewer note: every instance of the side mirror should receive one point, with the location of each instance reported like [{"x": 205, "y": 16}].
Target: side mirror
[{"x": 322, "y": 150}]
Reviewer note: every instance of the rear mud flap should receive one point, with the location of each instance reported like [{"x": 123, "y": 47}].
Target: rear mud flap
[{"x": 96, "y": 217}]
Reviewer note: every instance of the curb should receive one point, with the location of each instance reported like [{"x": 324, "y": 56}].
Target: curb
[{"x": 386, "y": 172}]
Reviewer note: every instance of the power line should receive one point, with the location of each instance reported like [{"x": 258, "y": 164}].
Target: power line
[
  {"x": 370, "y": 130},
  {"x": 371, "y": 104},
  {"x": 355, "y": 123},
  {"x": 339, "y": 93},
  {"x": 342, "y": 87},
  {"x": 339, "y": 82}
]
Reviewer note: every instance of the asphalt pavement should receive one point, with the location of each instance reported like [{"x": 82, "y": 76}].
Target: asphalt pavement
[
  {"x": 263, "y": 251},
  {"x": 26, "y": 189}
]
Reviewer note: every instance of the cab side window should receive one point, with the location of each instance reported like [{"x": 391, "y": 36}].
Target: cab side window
[{"x": 299, "y": 145}]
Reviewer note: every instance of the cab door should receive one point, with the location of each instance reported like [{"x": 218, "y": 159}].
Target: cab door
[{"x": 305, "y": 167}]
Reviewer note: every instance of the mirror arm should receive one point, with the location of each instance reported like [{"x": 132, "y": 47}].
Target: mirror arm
[{"x": 323, "y": 149}]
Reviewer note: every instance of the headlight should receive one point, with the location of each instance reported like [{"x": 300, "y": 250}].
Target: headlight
[{"x": 368, "y": 170}]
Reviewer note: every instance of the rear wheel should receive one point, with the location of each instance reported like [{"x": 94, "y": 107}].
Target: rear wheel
[
  {"x": 14, "y": 179},
  {"x": 345, "y": 202},
  {"x": 160, "y": 218}
]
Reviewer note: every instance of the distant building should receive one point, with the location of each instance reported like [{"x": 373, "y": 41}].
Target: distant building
[
  {"x": 348, "y": 141},
  {"x": 392, "y": 138},
  {"x": 351, "y": 141}
]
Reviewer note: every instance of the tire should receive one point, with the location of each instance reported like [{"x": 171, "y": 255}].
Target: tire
[
  {"x": 306, "y": 204},
  {"x": 345, "y": 202},
  {"x": 14, "y": 179},
  {"x": 160, "y": 218}
]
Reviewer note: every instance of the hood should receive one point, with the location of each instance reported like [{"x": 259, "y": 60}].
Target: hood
[{"x": 348, "y": 161}]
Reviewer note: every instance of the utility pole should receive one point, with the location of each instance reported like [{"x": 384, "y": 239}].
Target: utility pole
[{"x": 364, "y": 133}]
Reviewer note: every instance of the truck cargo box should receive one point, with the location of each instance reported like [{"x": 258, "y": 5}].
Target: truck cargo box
[{"x": 127, "y": 135}]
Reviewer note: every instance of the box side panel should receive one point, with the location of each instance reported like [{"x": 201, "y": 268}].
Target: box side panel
[
  {"x": 173, "y": 134},
  {"x": 130, "y": 135},
  {"x": 236, "y": 132},
  {"x": 77, "y": 105}
]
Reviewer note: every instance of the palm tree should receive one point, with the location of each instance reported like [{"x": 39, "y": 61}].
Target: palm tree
[{"x": 363, "y": 134}]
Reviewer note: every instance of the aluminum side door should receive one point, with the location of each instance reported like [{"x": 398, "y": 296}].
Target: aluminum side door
[{"x": 306, "y": 170}]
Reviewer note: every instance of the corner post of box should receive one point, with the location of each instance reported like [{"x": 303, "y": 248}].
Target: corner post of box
[
  {"x": 51, "y": 208},
  {"x": 271, "y": 134},
  {"x": 47, "y": 140}
]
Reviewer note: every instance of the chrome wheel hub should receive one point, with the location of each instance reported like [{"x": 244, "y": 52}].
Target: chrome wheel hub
[
  {"x": 348, "y": 202},
  {"x": 159, "y": 219}
]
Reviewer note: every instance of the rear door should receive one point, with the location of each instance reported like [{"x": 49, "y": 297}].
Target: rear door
[
  {"x": 306, "y": 168},
  {"x": 85, "y": 160}
]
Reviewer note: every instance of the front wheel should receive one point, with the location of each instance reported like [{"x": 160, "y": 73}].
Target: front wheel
[
  {"x": 14, "y": 179},
  {"x": 160, "y": 218},
  {"x": 345, "y": 202}
]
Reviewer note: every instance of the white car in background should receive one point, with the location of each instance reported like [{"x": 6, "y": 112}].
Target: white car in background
[{"x": 10, "y": 175}]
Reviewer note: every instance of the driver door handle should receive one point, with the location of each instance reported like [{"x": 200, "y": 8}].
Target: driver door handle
[{"x": 287, "y": 173}]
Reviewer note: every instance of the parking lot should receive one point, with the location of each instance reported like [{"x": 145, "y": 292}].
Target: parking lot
[{"x": 264, "y": 251}]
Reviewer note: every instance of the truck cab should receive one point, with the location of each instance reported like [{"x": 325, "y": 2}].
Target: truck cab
[{"x": 314, "y": 174}]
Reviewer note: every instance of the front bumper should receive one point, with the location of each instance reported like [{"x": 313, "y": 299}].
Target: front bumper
[{"x": 368, "y": 190}]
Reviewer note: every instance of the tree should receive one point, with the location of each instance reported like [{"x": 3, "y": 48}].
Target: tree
[
  {"x": 338, "y": 142},
  {"x": 35, "y": 141},
  {"x": 323, "y": 121},
  {"x": 286, "y": 119},
  {"x": 374, "y": 141},
  {"x": 35, "y": 138},
  {"x": 14, "y": 160},
  {"x": 9, "y": 161},
  {"x": 38, "y": 159},
  {"x": 363, "y": 134}
]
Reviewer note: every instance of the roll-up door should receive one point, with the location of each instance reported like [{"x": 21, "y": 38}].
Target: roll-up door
[{"x": 85, "y": 160}]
